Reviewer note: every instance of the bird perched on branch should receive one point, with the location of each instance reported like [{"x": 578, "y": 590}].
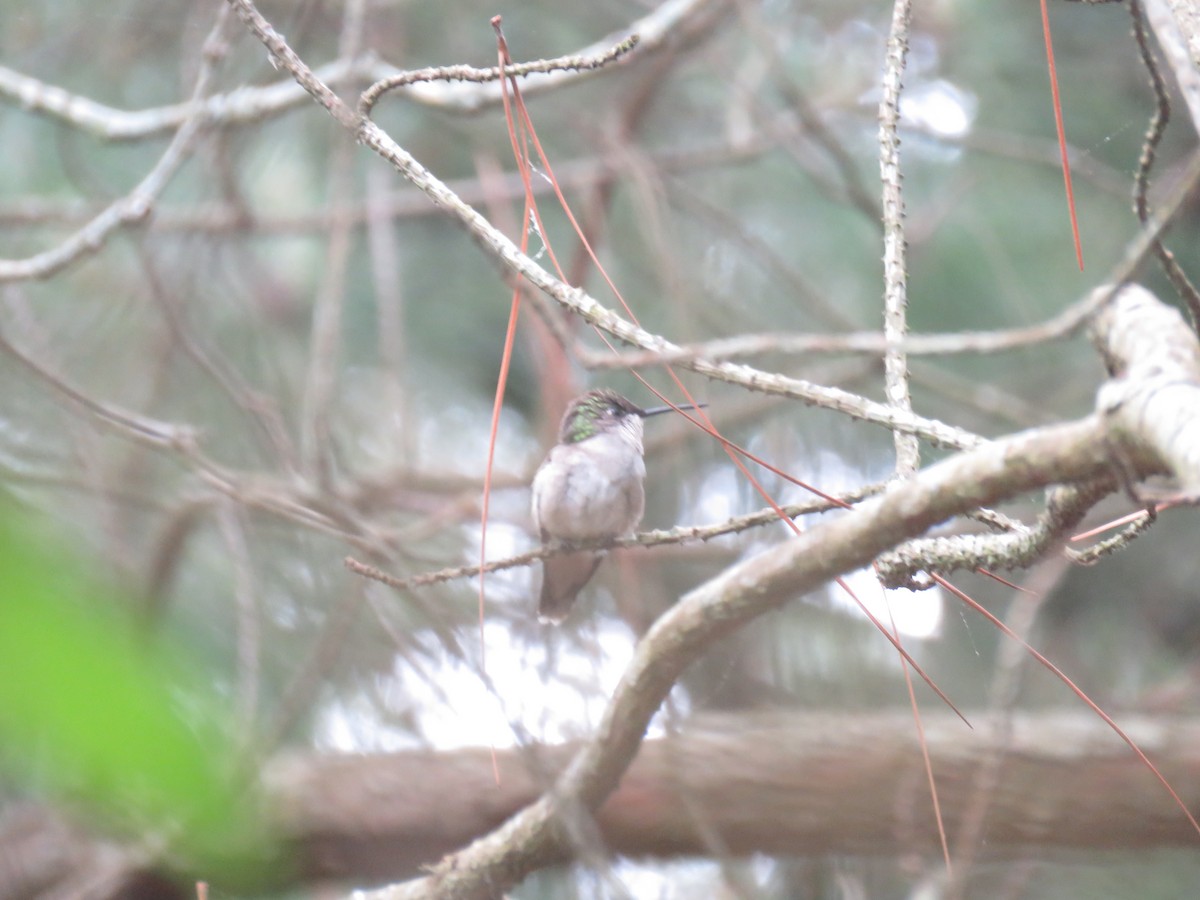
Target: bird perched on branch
[{"x": 590, "y": 487}]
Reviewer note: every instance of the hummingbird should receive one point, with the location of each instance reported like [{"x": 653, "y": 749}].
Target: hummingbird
[{"x": 590, "y": 487}]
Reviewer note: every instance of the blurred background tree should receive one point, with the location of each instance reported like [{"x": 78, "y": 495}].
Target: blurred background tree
[{"x": 259, "y": 350}]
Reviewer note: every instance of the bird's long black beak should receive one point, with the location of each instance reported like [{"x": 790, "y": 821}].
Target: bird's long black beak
[{"x": 656, "y": 410}]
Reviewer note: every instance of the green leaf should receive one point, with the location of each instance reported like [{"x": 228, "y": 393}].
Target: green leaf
[{"x": 101, "y": 713}]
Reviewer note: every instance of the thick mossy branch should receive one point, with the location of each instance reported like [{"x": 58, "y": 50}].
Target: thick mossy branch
[{"x": 1151, "y": 412}]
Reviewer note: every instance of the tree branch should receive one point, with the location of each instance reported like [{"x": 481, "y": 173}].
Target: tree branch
[
  {"x": 987, "y": 474},
  {"x": 789, "y": 784}
]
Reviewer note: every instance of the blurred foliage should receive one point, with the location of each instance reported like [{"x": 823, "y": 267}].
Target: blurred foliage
[{"x": 97, "y": 712}]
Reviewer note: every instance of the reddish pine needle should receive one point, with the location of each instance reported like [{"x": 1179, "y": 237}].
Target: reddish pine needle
[
  {"x": 924, "y": 744},
  {"x": 1078, "y": 692},
  {"x": 1062, "y": 135},
  {"x": 502, "y": 377}
]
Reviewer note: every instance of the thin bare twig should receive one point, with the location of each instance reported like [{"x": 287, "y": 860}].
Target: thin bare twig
[
  {"x": 809, "y": 116},
  {"x": 325, "y": 340},
  {"x": 895, "y": 267},
  {"x": 249, "y": 630},
  {"x": 1116, "y": 543},
  {"x": 683, "y": 534},
  {"x": 589, "y": 309},
  {"x": 245, "y": 105},
  {"x": 1141, "y": 182},
  {"x": 1065, "y": 324},
  {"x": 392, "y": 343},
  {"x": 666, "y": 26},
  {"x": 258, "y": 408},
  {"x": 144, "y": 429},
  {"x": 577, "y": 63},
  {"x": 225, "y": 218},
  {"x": 134, "y": 207},
  {"x": 323, "y": 655},
  {"x": 183, "y": 442}
]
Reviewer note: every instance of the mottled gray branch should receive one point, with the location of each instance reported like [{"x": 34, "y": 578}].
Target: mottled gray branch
[
  {"x": 1153, "y": 402},
  {"x": 895, "y": 259}
]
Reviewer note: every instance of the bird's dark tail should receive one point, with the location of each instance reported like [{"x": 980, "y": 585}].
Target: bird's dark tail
[{"x": 563, "y": 577}]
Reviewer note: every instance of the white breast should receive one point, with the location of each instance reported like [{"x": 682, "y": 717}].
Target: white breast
[{"x": 593, "y": 489}]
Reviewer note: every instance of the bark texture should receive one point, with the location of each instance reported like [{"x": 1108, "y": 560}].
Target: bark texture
[{"x": 784, "y": 783}]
